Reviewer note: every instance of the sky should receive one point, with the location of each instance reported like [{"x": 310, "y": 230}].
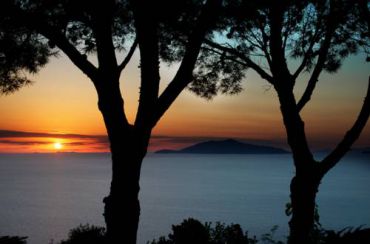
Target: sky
[{"x": 58, "y": 112}]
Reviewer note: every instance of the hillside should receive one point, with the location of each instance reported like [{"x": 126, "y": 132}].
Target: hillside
[{"x": 228, "y": 146}]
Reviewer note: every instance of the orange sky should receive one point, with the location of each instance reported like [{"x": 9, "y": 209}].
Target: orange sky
[{"x": 63, "y": 101}]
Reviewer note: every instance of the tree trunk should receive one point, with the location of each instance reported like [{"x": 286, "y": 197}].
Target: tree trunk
[
  {"x": 128, "y": 147},
  {"x": 122, "y": 207},
  {"x": 303, "y": 188},
  {"x": 305, "y": 183}
]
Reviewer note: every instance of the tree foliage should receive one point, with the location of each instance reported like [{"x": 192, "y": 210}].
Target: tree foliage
[
  {"x": 31, "y": 32},
  {"x": 22, "y": 52},
  {"x": 312, "y": 35}
]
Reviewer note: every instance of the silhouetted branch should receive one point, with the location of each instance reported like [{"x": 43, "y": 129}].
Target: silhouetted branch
[
  {"x": 265, "y": 50},
  {"x": 184, "y": 74},
  {"x": 351, "y": 136},
  {"x": 286, "y": 34},
  {"x": 311, "y": 84},
  {"x": 306, "y": 57},
  {"x": 127, "y": 59},
  {"x": 226, "y": 57},
  {"x": 72, "y": 53},
  {"x": 105, "y": 49},
  {"x": 146, "y": 25},
  {"x": 365, "y": 12},
  {"x": 34, "y": 21},
  {"x": 245, "y": 59},
  {"x": 263, "y": 44},
  {"x": 323, "y": 52},
  {"x": 279, "y": 65},
  {"x": 257, "y": 43},
  {"x": 308, "y": 53}
]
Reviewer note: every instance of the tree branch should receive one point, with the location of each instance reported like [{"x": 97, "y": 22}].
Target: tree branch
[
  {"x": 128, "y": 57},
  {"x": 184, "y": 74},
  {"x": 232, "y": 58},
  {"x": 264, "y": 42},
  {"x": 307, "y": 56},
  {"x": 351, "y": 136},
  {"x": 247, "y": 61},
  {"x": 311, "y": 84},
  {"x": 265, "y": 47},
  {"x": 105, "y": 50},
  {"x": 279, "y": 65},
  {"x": 72, "y": 53},
  {"x": 36, "y": 22},
  {"x": 365, "y": 13},
  {"x": 323, "y": 52},
  {"x": 146, "y": 24},
  {"x": 288, "y": 30}
]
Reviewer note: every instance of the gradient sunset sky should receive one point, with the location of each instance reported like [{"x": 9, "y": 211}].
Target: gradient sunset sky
[{"x": 61, "y": 107}]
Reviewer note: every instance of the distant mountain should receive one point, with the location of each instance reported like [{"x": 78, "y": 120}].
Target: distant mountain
[{"x": 228, "y": 146}]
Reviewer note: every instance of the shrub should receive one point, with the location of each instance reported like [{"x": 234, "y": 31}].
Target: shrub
[
  {"x": 230, "y": 234},
  {"x": 194, "y": 232},
  {"x": 269, "y": 238},
  {"x": 345, "y": 236},
  {"x": 13, "y": 239},
  {"x": 86, "y": 234}
]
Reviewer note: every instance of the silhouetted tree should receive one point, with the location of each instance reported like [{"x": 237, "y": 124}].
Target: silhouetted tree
[
  {"x": 317, "y": 35},
  {"x": 165, "y": 31}
]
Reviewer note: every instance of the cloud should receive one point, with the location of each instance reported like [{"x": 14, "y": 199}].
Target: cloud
[
  {"x": 23, "y": 134},
  {"x": 23, "y": 143}
]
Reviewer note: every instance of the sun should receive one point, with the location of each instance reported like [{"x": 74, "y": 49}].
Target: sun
[{"x": 58, "y": 145}]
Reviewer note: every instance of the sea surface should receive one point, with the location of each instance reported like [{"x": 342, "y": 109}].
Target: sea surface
[{"x": 43, "y": 196}]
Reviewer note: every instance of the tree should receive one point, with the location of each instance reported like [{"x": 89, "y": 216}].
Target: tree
[
  {"x": 311, "y": 34},
  {"x": 33, "y": 31}
]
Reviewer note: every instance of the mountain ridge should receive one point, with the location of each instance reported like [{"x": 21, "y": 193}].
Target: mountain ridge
[{"x": 227, "y": 146}]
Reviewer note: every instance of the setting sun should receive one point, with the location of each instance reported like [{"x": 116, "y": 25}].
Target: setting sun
[{"x": 58, "y": 145}]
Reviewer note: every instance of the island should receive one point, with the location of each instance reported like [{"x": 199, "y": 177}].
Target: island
[{"x": 228, "y": 146}]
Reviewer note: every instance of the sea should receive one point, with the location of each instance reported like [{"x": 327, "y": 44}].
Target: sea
[{"x": 43, "y": 196}]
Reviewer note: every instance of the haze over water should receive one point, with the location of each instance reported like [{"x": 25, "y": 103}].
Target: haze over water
[{"x": 43, "y": 196}]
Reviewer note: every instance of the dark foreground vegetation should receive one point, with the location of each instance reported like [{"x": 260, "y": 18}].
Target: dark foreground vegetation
[
  {"x": 13, "y": 239},
  {"x": 192, "y": 231}
]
